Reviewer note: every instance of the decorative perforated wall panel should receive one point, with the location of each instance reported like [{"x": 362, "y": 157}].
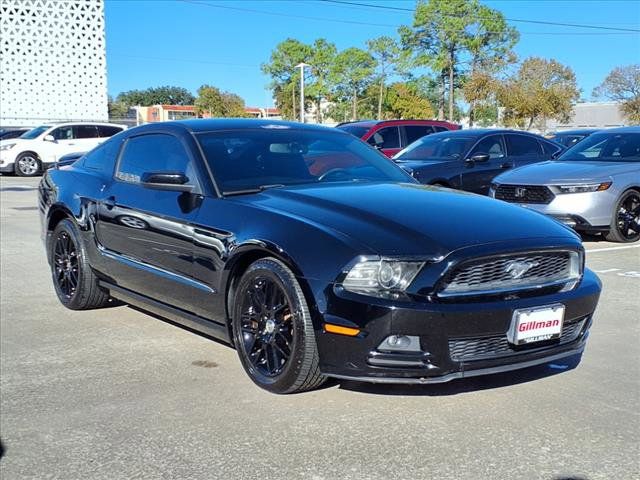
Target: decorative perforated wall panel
[{"x": 52, "y": 61}]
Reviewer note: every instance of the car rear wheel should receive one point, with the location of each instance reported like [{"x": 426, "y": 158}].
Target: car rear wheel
[
  {"x": 272, "y": 329},
  {"x": 625, "y": 222},
  {"x": 73, "y": 279},
  {"x": 27, "y": 165}
]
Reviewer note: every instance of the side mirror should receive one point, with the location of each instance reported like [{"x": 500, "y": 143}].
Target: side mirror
[
  {"x": 173, "y": 181},
  {"x": 478, "y": 157},
  {"x": 49, "y": 138}
]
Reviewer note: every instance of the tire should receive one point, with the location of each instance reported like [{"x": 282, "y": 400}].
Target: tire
[
  {"x": 270, "y": 318},
  {"x": 73, "y": 279},
  {"x": 27, "y": 165},
  {"x": 625, "y": 216}
]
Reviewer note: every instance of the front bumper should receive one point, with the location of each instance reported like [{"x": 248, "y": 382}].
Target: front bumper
[
  {"x": 582, "y": 211},
  {"x": 7, "y": 159},
  {"x": 456, "y": 339}
]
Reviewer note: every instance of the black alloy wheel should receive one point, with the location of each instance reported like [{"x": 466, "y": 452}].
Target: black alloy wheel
[
  {"x": 272, "y": 329},
  {"x": 75, "y": 283},
  {"x": 625, "y": 226},
  {"x": 65, "y": 264}
]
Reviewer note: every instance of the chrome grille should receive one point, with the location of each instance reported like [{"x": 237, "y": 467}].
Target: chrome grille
[
  {"x": 524, "y": 194},
  {"x": 511, "y": 273},
  {"x": 469, "y": 349}
]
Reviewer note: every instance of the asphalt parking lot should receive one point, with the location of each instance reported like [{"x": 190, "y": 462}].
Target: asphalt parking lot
[{"x": 119, "y": 394}]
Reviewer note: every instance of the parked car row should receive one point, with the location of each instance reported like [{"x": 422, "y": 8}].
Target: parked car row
[
  {"x": 314, "y": 255},
  {"x": 588, "y": 179},
  {"x": 37, "y": 149}
]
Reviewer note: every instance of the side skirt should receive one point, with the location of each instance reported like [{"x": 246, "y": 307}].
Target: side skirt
[{"x": 189, "y": 320}]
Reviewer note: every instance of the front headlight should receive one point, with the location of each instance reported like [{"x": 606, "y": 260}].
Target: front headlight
[
  {"x": 380, "y": 277},
  {"x": 592, "y": 187},
  {"x": 7, "y": 146}
]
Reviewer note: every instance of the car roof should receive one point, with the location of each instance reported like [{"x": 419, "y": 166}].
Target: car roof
[
  {"x": 212, "y": 124},
  {"x": 372, "y": 123},
  {"x": 480, "y": 132},
  {"x": 633, "y": 129},
  {"x": 577, "y": 131}
]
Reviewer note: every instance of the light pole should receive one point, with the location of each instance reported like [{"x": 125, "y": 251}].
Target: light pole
[{"x": 301, "y": 66}]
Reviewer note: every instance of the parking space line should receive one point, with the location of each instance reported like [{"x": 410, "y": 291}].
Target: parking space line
[{"x": 608, "y": 249}]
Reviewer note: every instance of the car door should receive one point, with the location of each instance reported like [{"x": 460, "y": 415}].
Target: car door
[
  {"x": 523, "y": 149},
  {"x": 387, "y": 140},
  {"x": 477, "y": 175},
  {"x": 86, "y": 137},
  {"x": 415, "y": 132},
  {"x": 147, "y": 233},
  {"x": 63, "y": 142}
]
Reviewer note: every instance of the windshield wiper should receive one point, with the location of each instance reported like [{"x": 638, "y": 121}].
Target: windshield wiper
[{"x": 248, "y": 191}]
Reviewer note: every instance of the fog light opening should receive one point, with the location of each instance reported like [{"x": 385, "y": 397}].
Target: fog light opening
[{"x": 401, "y": 343}]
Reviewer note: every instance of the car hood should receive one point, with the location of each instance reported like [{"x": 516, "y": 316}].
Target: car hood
[
  {"x": 408, "y": 219},
  {"x": 558, "y": 172},
  {"x": 15, "y": 140}
]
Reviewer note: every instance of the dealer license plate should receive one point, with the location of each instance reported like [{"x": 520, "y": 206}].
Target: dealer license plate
[{"x": 537, "y": 324}]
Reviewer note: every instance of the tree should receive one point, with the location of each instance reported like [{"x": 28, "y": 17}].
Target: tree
[
  {"x": 489, "y": 45},
  {"x": 539, "y": 90},
  {"x": 437, "y": 38},
  {"x": 453, "y": 36},
  {"x": 116, "y": 109},
  {"x": 404, "y": 101},
  {"x": 156, "y": 96},
  {"x": 284, "y": 74},
  {"x": 214, "y": 103},
  {"x": 352, "y": 71},
  {"x": 386, "y": 54},
  {"x": 623, "y": 85},
  {"x": 323, "y": 54}
]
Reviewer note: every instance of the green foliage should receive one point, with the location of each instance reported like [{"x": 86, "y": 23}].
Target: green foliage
[
  {"x": 540, "y": 89},
  {"x": 623, "y": 85},
  {"x": 116, "y": 109},
  {"x": 352, "y": 72},
  {"x": 156, "y": 96},
  {"x": 404, "y": 101},
  {"x": 386, "y": 53},
  {"x": 214, "y": 103}
]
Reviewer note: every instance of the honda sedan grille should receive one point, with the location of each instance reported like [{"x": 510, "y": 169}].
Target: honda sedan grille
[
  {"x": 482, "y": 348},
  {"x": 512, "y": 273},
  {"x": 524, "y": 194}
]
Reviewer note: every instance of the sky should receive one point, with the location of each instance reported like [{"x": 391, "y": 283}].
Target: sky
[{"x": 222, "y": 43}]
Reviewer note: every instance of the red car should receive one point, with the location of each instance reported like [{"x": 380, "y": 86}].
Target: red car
[{"x": 391, "y": 136}]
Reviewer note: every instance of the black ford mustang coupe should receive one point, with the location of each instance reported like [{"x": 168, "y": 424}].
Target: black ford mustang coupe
[{"x": 313, "y": 254}]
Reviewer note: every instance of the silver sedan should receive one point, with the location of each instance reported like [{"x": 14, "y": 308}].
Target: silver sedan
[{"x": 593, "y": 187}]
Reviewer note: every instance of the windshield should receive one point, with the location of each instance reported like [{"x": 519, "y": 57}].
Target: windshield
[
  {"x": 35, "y": 132},
  {"x": 606, "y": 147},
  {"x": 354, "y": 130},
  {"x": 439, "y": 146},
  {"x": 248, "y": 160}
]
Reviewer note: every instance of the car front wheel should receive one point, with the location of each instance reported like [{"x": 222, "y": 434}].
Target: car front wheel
[
  {"x": 625, "y": 222},
  {"x": 73, "y": 279},
  {"x": 27, "y": 165},
  {"x": 272, "y": 329}
]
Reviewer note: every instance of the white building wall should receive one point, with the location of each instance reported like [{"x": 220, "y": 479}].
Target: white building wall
[{"x": 52, "y": 61}]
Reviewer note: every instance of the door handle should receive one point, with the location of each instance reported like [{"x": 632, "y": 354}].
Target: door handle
[{"x": 109, "y": 202}]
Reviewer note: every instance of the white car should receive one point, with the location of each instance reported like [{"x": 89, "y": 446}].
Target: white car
[{"x": 37, "y": 149}]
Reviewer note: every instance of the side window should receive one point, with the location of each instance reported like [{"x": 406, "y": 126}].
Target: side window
[
  {"x": 107, "y": 131},
  {"x": 153, "y": 153},
  {"x": 414, "y": 132},
  {"x": 439, "y": 128},
  {"x": 85, "y": 131},
  {"x": 388, "y": 137},
  {"x": 103, "y": 157},
  {"x": 63, "y": 133},
  {"x": 549, "y": 148},
  {"x": 520, "y": 145},
  {"x": 491, "y": 145}
]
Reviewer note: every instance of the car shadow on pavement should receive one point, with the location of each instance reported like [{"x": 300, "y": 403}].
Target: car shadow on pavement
[{"x": 466, "y": 385}]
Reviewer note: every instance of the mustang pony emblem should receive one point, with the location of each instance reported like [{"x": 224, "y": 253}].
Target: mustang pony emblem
[{"x": 517, "y": 268}]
